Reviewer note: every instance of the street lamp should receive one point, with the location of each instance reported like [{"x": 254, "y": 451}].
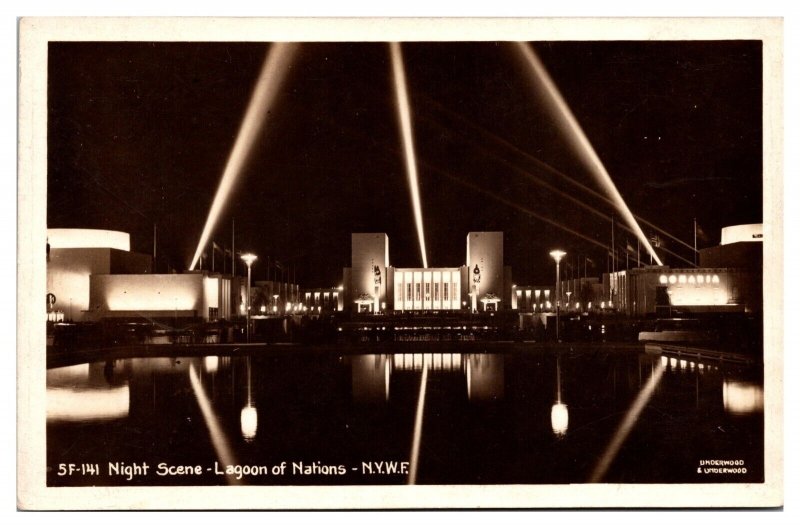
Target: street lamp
[
  {"x": 248, "y": 259},
  {"x": 557, "y": 255}
]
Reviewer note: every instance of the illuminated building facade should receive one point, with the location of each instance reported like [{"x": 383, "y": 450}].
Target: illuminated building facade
[
  {"x": 729, "y": 279},
  {"x": 73, "y": 256},
  {"x": 372, "y": 285},
  {"x": 93, "y": 275}
]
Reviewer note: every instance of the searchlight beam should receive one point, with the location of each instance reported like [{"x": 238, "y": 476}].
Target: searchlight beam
[
  {"x": 576, "y": 136},
  {"x": 269, "y": 81},
  {"x": 404, "y": 115}
]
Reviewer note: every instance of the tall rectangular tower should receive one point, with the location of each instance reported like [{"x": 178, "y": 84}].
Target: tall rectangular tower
[
  {"x": 485, "y": 266},
  {"x": 369, "y": 261}
]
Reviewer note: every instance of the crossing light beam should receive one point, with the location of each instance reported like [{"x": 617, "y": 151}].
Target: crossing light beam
[
  {"x": 578, "y": 140},
  {"x": 273, "y": 72}
]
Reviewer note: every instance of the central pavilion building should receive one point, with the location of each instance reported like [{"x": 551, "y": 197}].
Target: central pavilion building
[{"x": 371, "y": 284}]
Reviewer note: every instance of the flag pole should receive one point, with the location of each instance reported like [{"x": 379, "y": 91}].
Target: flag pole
[{"x": 695, "y": 242}]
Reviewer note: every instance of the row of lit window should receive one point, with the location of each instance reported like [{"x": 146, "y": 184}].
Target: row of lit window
[
  {"x": 688, "y": 279},
  {"x": 417, "y": 290}
]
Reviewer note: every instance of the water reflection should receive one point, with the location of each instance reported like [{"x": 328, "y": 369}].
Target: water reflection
[
  {"x": 627, "y": 424},
  {"x": 371, "y": 374},
  {"x": 485, "y": 377},
  {"x": 741, "y": 397},
  {"x": 219, "y": 439},
  {"x": 85, "y": 393},
  {"x": 559, "y": 414},
  {"x": 610, "y": 411},
  {"x": 249, "y": 415}
]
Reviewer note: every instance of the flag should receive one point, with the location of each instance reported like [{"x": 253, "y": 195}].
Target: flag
[
  {"x": 278, "y": 265},
  {"x": 655, "y": 240},
  {"x": 629, "y": 247},
  {"x": 701, "y": 235}
]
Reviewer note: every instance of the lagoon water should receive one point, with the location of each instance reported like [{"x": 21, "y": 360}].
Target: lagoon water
[{"x": 425, "y": 416}]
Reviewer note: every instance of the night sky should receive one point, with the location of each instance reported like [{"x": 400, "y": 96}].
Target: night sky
[{"x": 139, "y": 134}]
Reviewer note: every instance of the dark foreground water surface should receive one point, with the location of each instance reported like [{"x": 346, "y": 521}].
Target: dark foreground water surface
[{"x": 304, "y": 417}]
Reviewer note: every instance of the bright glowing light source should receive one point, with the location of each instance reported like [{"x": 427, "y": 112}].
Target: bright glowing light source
[
  {"x": 740, "y": 397},
  {"x": 249, "y": 258},
  {"x": 557, "y": 255},
  {"x": 249, "y": 422},
  {"x": 681, "y": 279},
  {"x": 404, "y": 114},
  {"x": 575, "y": 134},
  {"x": 263, "y": 308},
  {"x": 85, "y": 404},
  {"x": 662, "y": 279},
  {"x": 715, "y": 279},
  {"x": 673, "y": 279},
  {"x": 211, "y": 363},
  {"x": 272, "y": 74},
  {"x": 88, "y": 238},
  {"x": 559, "y": 419}
]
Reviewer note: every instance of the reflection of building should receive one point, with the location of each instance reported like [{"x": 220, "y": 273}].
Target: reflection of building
[
  {"x": 483, "y": 374},
  {"x": 371, "y": 284},
  {"x": 728, "y": 280}
]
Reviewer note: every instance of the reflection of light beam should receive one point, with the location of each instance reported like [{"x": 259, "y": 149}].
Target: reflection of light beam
[
  {"x": 404, "y": 114},
  {"x": 423, "y": 384},
  {"x": 625, "y": 427},
  {"x": 272, "y": 74},
  {"x": 581, "y": 143},
  {"x": 218, "y": 438}
]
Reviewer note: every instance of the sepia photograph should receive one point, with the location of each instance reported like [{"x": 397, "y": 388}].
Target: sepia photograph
[{"x": 408, "y": 264}]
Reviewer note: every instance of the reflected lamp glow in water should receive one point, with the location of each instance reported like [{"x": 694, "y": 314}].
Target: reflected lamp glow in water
[
  {"x": 559, "y": 414},
  {"x": 559, "y": 419},
  {"x": 249, "y": 422}
]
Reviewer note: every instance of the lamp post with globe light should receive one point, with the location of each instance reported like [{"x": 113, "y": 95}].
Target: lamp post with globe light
[
  {"x": 248, "y": 259},
  {"x": 557, "y": 255}
]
